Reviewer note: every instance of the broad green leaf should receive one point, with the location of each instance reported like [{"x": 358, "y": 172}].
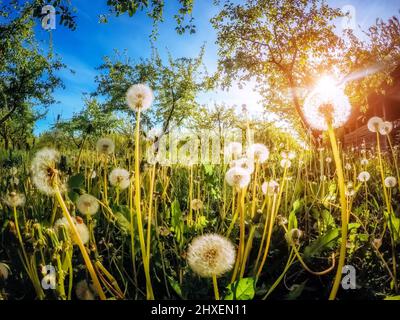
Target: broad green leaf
[
  {"x": 175, "y": 285},
  {"x": 324, "y": 242},
  {"x": 77, "y": 181},
  {"x": 242, "y": 289},
  {"x": 122, "y": 222}
]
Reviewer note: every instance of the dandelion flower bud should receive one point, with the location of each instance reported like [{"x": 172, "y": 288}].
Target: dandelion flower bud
[
  {"x": 87, "y": 204},
  {"x": 390, "y": 182},
  {"x": 244, "y": 163},
  {"x": 45, "y": 174},
  {"x": 139, "y": 97},
  {"x": 14, "y": 199},
  {"x": 211, "y": 255},
  {"x": 233, "y": 150},
  {"x": 374, "y": 123},
  {"x": 385, "y": 128},
  {"x": 4, "y": 271},
  {"x": 119, "y": 178},
  {"x": 105, "y": 146},
  {"x": 270, "y": 188},
  {"x": 258, "y": 152},
  {"x": 237, "y": 177},
  {"x": 364, "y": 176},
  {"x": 82, "y": 229},
  {"x": 293, "y": 236},
  {"x": 197, "y": 204},
  {"x": 83, "y": 291}
]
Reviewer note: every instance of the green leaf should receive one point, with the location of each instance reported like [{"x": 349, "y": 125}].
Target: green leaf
[
  {"x": 175, "y": 285},
  {"x": 324, "y": 242},
  {"x": 392, "y": 298},
  {"x": 122, "y": 222},
  {"x": 77, "y": 181},
  {"x": 296, "y": 292},
  {"x": 242, "y": 289}
]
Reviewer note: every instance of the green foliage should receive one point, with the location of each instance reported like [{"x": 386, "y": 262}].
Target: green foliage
[{"x": 242, "y": 289}]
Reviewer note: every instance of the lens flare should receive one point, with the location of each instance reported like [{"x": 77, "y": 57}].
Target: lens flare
[{"x": 326, "y": 103}]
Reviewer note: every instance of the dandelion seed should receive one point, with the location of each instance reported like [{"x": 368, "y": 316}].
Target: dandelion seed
[
  {"x": 82, "y": 229},
  {"x": 385, "y": 128},
  {"x": 243, "y": 163},
  {"x": 237, "y": 177},
  {"x": 197, "y": 204},
  {"x": 211, "y": 255},
  {"x": 364, "y": 176},
  {"x": 293, "y": 236},
  {"x": 45, "y": 174},
  {"x": 374, "y": 123},
  {"x": 119, "y": 178},
  {"x": 270, "y": 187},
  {"x": 233, "y": 150},
  {"x": 87, "y": 204},
  {"x": 390, "y": 182},
  {"x": 326, "y": 103},
  {"x": 139, "y": 97},
  {"x": 105, "y": 146},
  {"x": 14, "y": 199},
  {"x": 258, "y": 152}
]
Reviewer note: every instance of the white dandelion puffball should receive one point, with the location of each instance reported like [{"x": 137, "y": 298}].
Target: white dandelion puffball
[
  {"x": 258, "y": 152},
  {"x": 285, "y": 163},
  {"x": 237, "y": 177},
  {"x": 153, "y": 134},
  {"x": 364, "y": 176},
  {"x": 347, "y": 166},
  {"x": 119, "y": 178},
  {"x": 328, "y": 160},
  {"x": 105, "y": 146},
  {"x": 4, "y": 271},
  {"x": 270, "y": 187},
  {"x": 45, "y": 175},
  {"x": 233, "y": 150},
  {"x": 87, "y": 204},
  {"x": 82, "y": 229},
  {"x": 196, "y": 204},
  {"x": 293, "y": 236},
  {"x": 291, "y": 155},
  {"x": 364, "y": 162},
  {"x": 84, "y": 292},
  {"x": 327, "y": 102},
  {"x": 374, "y": 123},
  {"x": 243, "y": 163},
  {"x": 211, "y": 255},
  {"x": 139, "y": 97},
  {"x": 385, "y": 128},
  {"x": 390, "y": 182},
  {"x": 14, "y": 199}
]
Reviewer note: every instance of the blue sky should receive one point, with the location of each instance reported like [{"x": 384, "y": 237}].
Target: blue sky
[{"x": 83, "y": 49}]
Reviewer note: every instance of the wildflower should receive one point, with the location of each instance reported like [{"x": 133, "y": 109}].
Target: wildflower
[
  {"x": 197, "y": 204},
  {"x": 119, "y": 178},
  {"x": 84, "y": 292},
  {"x": 258, "y": 152},
  {"x": 87, "y": 204},
  {"x": 349, "y": 192},
  {"x": 45, "y": 175},
  {"x": 243, "y": 163},
  {"x": 293, "y": 236},
  {"x": 14, "y": 199},
  {"x": 285, "y": 163},
  {"x": 364, "y": 176},
  {"x": 328, "y": 160},
  {"x": 105, "y": 146},
  {"x": 211, "y": 255},
  {"x": 385, "y": 128},
  {"x": 237, "y": 177},
  {"x": 374, "y": 123},
  {"x": 139, "y": 97},
  {"x": 82, "y": 229},
  {"x": 233, "y": 150},
  {"x": 4, "y": 271},
  {"x": 270, "y": 187},
  {"x": 364, "y": 162},
  {"x": 326, "y": 103},
  {"x": 390, "y": 182}
]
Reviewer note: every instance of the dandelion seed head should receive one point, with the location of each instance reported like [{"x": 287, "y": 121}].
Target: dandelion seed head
[
  {"x": 139, "y": 97},
  {"x": 119, "y": 178},
  {"x": 258, "y": 152},
  {"x": 293, "y": 236},
  {"x": 197, "y": 204},
  {"x": 374, "y": 123},
  {"x": 233, "y": 150},
  {"x": 14, "y": 199},
  {"x": 82, "y": 229},
  {"x": 328, "y": 159},
  {"x": 347, "y": 166},
  {"x": 390, "y": 182},
  {"x": 211, "y": 255},
  {"x": 237, "y": 177},
  {"x": 385, "y": 128},
  {"x": 326, "y": 103},
  {"x": 286, "y": 163},
  {"x": 270, "y": 187},
  {"x": 364, "y": 176},
  {"x": 87, "y": 204},
  {"x": 243, "y": 163},
  {"x": 364, "y": 162},
  {"x": 105, "y": 146}
]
